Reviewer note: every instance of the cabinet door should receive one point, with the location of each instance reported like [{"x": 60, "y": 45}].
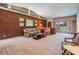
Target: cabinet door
[{"x": 49, "y": 24}]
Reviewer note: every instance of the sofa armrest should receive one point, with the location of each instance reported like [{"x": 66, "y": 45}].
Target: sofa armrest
[{"x": 68, "y": 39}]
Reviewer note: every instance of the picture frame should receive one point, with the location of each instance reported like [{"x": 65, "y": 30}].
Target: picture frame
[{"x": 21, "y": 22}]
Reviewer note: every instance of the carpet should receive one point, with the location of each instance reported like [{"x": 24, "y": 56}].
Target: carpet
[{"x": 50, "y": 45}]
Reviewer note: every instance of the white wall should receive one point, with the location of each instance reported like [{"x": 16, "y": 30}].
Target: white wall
[
  {"x": 77, "y": 21},
  {"x": 50, "y": 20},
  {"x": 77, "y": 24}
]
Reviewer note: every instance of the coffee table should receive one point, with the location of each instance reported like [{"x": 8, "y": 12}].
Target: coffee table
[{"x": 39, "y": 35}]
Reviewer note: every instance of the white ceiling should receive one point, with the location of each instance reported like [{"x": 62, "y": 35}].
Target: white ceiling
[{"x": 52, "y": 10}]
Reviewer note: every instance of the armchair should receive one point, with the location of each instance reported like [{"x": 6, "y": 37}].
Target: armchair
[{"x": 74, "y": 39}]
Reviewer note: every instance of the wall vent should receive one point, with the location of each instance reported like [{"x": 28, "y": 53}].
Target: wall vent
[
  {"x": 20, "y": 9},
  {"x": 33, "y": 13}
]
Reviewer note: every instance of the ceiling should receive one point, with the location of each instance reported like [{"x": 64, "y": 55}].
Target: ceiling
[{"x": 52, "y": 10}]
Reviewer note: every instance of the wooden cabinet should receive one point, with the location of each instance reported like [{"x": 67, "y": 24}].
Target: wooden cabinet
[
  {"x": 50, "y": 30},
  {"x": 49, "y": 24}
]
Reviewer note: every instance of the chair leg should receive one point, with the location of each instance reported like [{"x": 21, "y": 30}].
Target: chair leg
[{"x": 62, "y": 47}]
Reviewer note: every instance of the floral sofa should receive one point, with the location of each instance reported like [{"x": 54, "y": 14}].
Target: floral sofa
[{"x": 30, "y": 32}]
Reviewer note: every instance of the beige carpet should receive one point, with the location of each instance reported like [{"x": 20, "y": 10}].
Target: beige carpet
[{"x": 50, "y": 45}]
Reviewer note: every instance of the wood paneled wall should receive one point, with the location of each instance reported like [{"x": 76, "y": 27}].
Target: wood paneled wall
[{"x": 9, "y": 24}]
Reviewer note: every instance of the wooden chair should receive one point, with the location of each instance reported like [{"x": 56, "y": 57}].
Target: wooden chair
[{"x": 74, "y": 39}]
